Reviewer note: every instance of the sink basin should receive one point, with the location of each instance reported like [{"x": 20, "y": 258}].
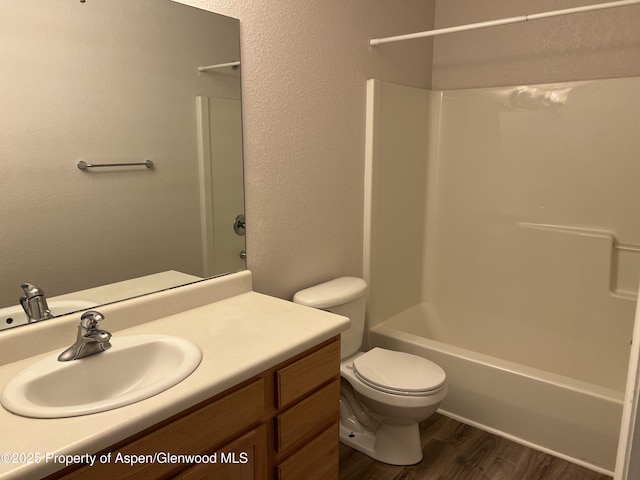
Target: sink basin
[
  {"x": 15, "y": 316},
  {"x": 134, "y": 368}
]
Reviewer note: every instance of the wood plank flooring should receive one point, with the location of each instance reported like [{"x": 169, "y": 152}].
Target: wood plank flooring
[{"x": 455, "y": 451}]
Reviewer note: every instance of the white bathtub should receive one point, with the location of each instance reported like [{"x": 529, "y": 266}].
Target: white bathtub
[{"x": 572, "y": 419}]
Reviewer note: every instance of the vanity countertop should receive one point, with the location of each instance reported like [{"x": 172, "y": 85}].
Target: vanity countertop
[{"x": 240, "y": 337}]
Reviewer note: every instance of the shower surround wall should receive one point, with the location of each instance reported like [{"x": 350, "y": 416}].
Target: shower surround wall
[{"x": 514, "y": 210}]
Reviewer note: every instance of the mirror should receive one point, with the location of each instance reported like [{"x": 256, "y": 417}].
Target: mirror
[{"x": 117, "y": 82}]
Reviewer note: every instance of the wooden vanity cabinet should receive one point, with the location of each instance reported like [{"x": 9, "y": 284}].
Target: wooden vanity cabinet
[{"x": 281, "y": 425}]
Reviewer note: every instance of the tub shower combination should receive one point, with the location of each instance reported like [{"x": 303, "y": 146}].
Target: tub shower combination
[{"x": 515, "y": 267}]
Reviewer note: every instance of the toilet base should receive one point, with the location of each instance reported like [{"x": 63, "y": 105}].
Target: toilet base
[{"x": 392, "y": 444}]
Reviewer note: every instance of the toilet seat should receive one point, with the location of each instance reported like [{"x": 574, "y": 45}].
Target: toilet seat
[{"x": 399, "y": 373}]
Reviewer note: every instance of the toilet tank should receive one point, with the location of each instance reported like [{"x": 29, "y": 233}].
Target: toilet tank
[{"x": 344, "y": 296}]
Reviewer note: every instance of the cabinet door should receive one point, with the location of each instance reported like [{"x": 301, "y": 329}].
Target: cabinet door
[
  {"x": 318, "y": 460},
  {"x": 242, "y": 459}
]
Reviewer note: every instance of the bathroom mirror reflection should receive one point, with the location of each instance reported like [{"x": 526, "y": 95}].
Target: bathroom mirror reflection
[{"x": 106, "y": 82}]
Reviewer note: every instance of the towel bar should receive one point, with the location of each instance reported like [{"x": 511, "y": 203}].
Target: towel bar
[{"x": 82, "y": 165}]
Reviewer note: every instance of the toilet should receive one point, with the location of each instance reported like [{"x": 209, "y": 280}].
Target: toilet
[{"x": 384, "y": 394}]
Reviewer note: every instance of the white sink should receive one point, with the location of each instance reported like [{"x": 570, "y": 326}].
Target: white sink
[
  {"x": 15, "y": 316},
  {"x": 134, "y": 368}
]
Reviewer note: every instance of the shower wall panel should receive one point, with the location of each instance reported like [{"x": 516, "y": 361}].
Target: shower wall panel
[
  {"x": 397, "y": 152},
  {"x": 532, "y": 238}
]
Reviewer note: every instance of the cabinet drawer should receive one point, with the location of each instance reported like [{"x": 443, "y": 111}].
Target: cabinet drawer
[
  {"x": 302, "y": 377},
  {"x": 309, "y": 417},
  {"x": 318, "y": 460}
]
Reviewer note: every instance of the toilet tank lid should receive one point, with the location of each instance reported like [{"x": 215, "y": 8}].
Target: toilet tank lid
[{"x": 332, "y": 293}]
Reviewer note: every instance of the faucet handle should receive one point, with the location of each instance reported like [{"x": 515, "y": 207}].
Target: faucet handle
[{"x": 90, "y": 320}]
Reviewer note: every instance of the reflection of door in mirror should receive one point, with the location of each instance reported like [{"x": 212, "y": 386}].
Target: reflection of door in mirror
[{"x": 221, "y": 181}]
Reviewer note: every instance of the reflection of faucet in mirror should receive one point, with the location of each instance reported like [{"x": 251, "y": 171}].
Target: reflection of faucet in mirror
[
  {"x": 34, "y": 303},
  {"x": 90, "y": 339}
]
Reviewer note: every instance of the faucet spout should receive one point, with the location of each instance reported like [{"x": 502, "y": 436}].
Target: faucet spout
[
  {"x": 34, "y": 303},
  {"x": 90, "y": 339}
]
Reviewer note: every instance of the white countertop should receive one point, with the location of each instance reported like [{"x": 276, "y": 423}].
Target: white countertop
[{"x": 239, "y": 336}]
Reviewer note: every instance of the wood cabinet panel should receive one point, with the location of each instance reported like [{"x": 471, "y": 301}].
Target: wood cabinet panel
[
  {"x": 302, "y": 377},
  {"x": 241, "y": 461},
  {"x": 318, "y": 460},
  {"x": 309, "y": 417},
  {"x": 199, "y": 432}
]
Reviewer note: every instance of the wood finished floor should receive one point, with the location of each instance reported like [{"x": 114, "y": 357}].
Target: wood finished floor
[{"x": 455, "y": 451}]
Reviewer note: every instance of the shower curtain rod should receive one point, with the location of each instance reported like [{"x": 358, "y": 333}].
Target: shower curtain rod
[{"x": 502, "y": 21}]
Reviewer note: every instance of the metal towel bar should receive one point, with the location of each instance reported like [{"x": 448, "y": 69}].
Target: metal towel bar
[{"x": 82, "y": 165}]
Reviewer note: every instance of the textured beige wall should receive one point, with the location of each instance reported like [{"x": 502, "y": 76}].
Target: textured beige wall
[
  {"x": 304, "y": 68},
  {"x": 575, "y": 47}
]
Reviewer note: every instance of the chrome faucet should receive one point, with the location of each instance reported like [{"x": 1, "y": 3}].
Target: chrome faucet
[
  {"x": 34, "y": 303},
  {"x": 90, "y": 339}
]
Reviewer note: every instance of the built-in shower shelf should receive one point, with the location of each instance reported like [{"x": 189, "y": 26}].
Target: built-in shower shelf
[{"x": 623, "y": 259}]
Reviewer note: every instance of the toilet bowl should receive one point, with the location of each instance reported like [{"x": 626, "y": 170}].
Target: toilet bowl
[
  {"x": 384, "y": 394},
  {"x": 380, "y": 417}
]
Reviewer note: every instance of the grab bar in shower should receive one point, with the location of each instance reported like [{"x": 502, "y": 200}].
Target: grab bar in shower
[{"x": 82, "y": 165}]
